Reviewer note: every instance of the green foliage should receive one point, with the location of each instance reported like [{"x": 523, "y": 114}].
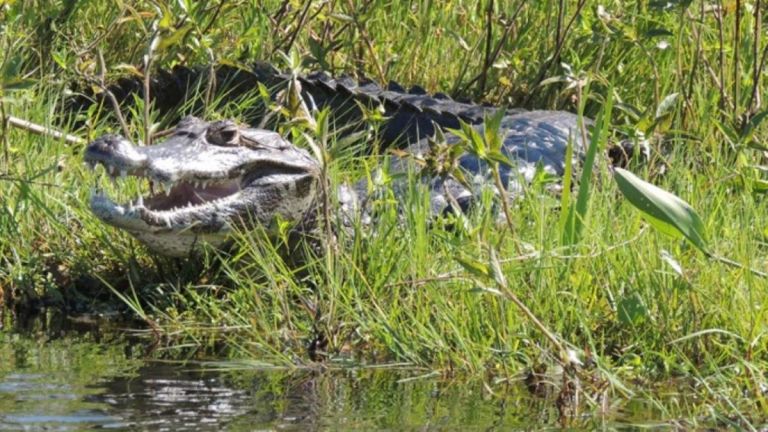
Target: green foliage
[
  {"x": 666, "y": 212},
  {"x": 676, "y": 75}
]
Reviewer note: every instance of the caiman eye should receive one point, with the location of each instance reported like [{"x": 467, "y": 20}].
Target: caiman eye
[{"x": 223, "y": 133}]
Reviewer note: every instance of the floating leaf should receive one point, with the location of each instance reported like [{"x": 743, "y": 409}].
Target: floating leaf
[{"x": 663, "y": 210}]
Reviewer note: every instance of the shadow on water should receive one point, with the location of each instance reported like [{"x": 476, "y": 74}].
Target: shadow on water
[{"x": 56, "y": 377}]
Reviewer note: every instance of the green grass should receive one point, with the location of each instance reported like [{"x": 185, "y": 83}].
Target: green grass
[{"x": 395, "y": 292}]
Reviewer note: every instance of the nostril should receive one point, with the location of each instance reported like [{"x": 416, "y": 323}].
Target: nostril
[
  {"x": 106, "y": 142},
  {"x": 114, "y": 150}
]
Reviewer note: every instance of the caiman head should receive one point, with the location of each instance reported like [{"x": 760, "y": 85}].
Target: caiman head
[{"x": 209, "y": 177}]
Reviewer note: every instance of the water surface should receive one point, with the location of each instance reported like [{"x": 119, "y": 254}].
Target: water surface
[{"x": 68, "y": 379}]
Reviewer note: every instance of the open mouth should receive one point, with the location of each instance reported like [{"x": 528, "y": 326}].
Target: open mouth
[{"x": 168, "y": 202}]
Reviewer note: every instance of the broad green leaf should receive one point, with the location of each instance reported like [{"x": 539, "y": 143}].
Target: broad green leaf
[
  {"x": 656, "y": 32},
  {"x": 342, "y": 18},
  {"x": 667, "y": 105},
  {"x": 754, "y": 122},
  {"x": 133, "y": 70},
  {"x": 475, "y": 267},
  {"x": 166, "y": 17},
  {"x": 175, "y": 37},
  {"x": 499, "y": 157},
  {"x": 492, "y": 127},
  {"x": 565, "y": 198},
  {"x": 554, "y": 80},
  {"x": 760, "y": 186},
  {"x": 17, "y": 84},
  {"x": 672, "y": 262},
  {"x": 630, "y": 110},
  {"x": 577, "y": 214},
  {"x": 496, "y": 271},
  {"x": 663, "y": 210},
  {"x": 474, "y": 140},
  {"x": 632, "y": 309}
]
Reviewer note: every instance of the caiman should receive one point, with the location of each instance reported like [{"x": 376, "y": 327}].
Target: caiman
[{"x": 216, "y": 176}]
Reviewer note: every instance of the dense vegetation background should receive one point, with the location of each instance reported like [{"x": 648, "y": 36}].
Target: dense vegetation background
[{"x": 638, "y": 307}]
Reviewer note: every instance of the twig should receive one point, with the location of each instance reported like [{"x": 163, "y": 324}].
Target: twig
[
  {"x": 488, "y": 42},
  {"x": 506, "y": 292},
  {"x": 4, "y": 131},
  {"x": 558, "y": 49},
  {"x": 718, "y": 80},
  {"x": 277, "y": 21},
  {"x": 756, "y": 93},
  {"x": 736, "y": 59},
  {"x": 507, "y": 30},
  {"x": 721, "y": 54},
  {"x": 302, "y": 21},
  {"x": 214, "y": 17},
  {"x": 111, "y": 96},
  {"x": 42, "y": 130},
  {"x": 107, "y": 32},
  {"x": 147, "y": 81},
  {"x": 369, "y": 44},
  {"x": 735, "y": 264},
  {"x": 757, "y": 62},
  {"x": 210, "y": 88},
  {"x": 688, "y": 94}
]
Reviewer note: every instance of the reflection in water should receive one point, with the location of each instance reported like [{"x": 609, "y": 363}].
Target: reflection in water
[
  {"x": 79, "y": 381},
  {"x": 162, "y": 397},
  {"x": 73, "y": 383}
]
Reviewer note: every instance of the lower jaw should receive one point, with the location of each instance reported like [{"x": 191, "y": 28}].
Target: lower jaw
[
  {"x": 179, "y": 244},
  {"x": 136, "y": 217}
]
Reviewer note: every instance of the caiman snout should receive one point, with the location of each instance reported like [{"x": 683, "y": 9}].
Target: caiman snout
[{"x": 115, "y": 153}]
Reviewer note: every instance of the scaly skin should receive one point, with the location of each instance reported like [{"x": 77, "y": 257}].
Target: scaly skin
[
  {"x": 220, "y": 175},
  {"x": 215, "y": 176},
  {"x": 411, "y": 115}
]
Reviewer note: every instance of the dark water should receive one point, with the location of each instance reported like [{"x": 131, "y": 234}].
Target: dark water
[{"x": 69, "y": 380}]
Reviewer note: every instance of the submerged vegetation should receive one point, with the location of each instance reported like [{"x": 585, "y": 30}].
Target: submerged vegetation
[{"x": 633, "y": 307}]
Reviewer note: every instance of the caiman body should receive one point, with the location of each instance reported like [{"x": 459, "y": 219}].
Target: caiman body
[{"x": 216, "y": 176}]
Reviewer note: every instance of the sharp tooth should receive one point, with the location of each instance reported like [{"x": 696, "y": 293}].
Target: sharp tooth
[
  {"x": 111, "y": 170},
  {"x": 130, "y": 205},
  {"x": 167, "y": 187},
  {"x": 123, "y": 173},
  {"x": 168, "y": 221},
  {"x": 205, "y": 184},
  {"x": 140, "y": 201},
  {"x": 196, "y": 183}
]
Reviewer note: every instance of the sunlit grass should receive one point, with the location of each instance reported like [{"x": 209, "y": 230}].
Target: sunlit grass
[{"x": 647, "y": 308}]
